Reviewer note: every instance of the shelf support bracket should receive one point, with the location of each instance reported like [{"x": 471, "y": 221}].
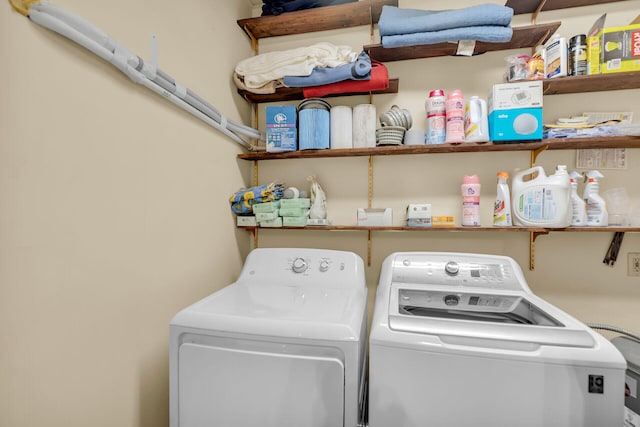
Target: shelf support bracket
[
  {"x": 255, "y": 44},
  {"x": 255, "y": 184},
  {"x": 533, "y": 235},
  {"x": 535, "y": 153},
  {"x": 537, "y": 12},
  {"x": 369, "y": 205}
]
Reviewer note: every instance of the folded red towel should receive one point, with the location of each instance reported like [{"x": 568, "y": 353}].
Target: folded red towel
[{"x": 379, "y": 81}]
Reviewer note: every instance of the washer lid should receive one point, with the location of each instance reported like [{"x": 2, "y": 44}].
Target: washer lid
[
  {"x": 508, "y": 316},
  {"x": 285, "y": 311}
]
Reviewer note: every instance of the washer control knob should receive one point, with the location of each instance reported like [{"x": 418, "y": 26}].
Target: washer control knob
[
  {"x": 324, "y": 265},
  {"x": 451, "y": 300},
  {"x": 452, "y": 268},
  {"x": 299, "y": 265}
]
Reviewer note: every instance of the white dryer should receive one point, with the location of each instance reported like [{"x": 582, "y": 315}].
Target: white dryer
[
  {"x": 460, "y": 340},
  {"x": 284, "y": 345}
]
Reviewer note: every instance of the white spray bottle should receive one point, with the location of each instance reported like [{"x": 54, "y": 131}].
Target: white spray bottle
[
  {"x": 578, "y": 205},
  {"x": 597, "y": 215}
]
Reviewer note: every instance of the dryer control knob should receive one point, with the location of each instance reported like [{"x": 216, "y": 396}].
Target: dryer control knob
[
  {"x": 452, "y": 268},
  {"x": 299, "y": 265},
  {"x": 324, "y": 265}
]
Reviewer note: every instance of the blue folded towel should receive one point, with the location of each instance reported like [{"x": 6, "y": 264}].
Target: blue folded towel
[
  {"x": 491, "y": 34},
  {"x": 360, "y": 69},
  {"x": 394, "y": 21}
]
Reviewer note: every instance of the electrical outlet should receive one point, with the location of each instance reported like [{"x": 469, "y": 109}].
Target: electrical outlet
[{"x": 633, "y": 264}]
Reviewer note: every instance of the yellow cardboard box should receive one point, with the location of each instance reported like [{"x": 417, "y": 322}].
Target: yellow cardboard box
[{"x": 620, "y": 48}]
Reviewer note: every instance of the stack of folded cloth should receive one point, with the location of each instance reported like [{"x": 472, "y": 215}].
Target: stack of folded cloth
[
  {"x": 276, "y": 7},
  {"x": 320, "y": 69},
  {"x": 243, "y": 200},
  {"x": 409, "y": 27}
]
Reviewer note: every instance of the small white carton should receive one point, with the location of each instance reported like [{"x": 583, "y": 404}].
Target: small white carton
[
  {"x": 508, "y": 96},
  {"x": 372, "y": 217}
]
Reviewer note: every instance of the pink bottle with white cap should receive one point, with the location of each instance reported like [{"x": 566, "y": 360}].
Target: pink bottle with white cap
[
  {"x": 471, "y": 201},
  {"x": 454, "y": 106}
]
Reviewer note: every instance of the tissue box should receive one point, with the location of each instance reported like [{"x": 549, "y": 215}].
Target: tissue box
[
  {"x": 246, "y": 221},
  {"x": 294, "y": 221},
  {"x": 519, "y": 124},
  {"x": 302, "y": 202},
  {"x": 266, "y": 207},
  {"x": 281, "y": 129},
  {"x": 375, "y": 217}
]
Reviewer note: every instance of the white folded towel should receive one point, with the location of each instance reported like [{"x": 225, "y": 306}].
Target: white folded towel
[{"x": 261, "y": 69}]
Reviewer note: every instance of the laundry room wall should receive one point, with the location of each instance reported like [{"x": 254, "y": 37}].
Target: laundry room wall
[
  {"x": 113, "y": 208},
  {"x": 569, "y": 269}
]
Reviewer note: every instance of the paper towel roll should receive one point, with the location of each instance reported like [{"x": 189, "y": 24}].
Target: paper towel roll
[
  {"x": 364, "y": 126},
  {"x": 341, "y": 127}
]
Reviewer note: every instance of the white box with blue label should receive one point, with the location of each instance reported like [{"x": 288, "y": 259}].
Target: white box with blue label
[
  {"x": 281, "y": 126},
  {"x": 515, "y": 111}
]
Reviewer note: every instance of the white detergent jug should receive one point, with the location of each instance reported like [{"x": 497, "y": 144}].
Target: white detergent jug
[{"x": 539, "y": 200}]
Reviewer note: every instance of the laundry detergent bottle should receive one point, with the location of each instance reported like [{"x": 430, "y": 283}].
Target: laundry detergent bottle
[
  {"x": 597, "y": 215},
  {"x": 578, "y": 205},
  {"x": 539, "y": 200},
  {"x": 502, "y": 207}
]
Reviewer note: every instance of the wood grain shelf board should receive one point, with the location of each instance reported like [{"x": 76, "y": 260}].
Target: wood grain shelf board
[
  {"x": 594, "y": 83},
  {"x": 529, "y": 6},
  {"x": 293, "y": 94},
  {"x": 550, "y": 144},
  {"x": 366, "y": 12},
  {"x": 538, "y": 230},
  {"x": 523, "y": 37}
]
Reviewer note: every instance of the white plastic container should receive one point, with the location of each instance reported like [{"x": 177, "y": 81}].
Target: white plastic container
[
  {"x": 597, "y": 215},
  {"x": 578, "y": 206},
  {"x": 556, "y": 57},
  {"x": 470, "y": 189},
  {"x": 541, "y": 201},
  {"x": 476, "y": 121},
  {"x": 502, "y": 207}
]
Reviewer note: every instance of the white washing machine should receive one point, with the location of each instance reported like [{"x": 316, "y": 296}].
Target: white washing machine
[
  {"x": 284, "y": 345},
  {"x": 460, "y": 340}
]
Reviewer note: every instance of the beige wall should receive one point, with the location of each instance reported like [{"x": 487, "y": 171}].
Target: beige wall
[
  {"x": 113, "y": 211},
  {"x": 113, "y": 208}
]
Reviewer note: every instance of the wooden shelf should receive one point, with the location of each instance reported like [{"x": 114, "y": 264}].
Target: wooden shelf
[
  {"x": 366, "y": 12},
  {"x": 549, "y": 144},
  {"x": 530, "y": 6},
  {"x": 594, "y": 83},
  {"x": 537, "y": 230},
  {"x": 523, "y": 37},
  {"x": 293, "y": 94}
]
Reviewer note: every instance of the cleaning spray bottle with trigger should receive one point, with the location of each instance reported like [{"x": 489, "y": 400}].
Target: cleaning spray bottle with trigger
[
  {"x": 578, "y": 205},
  {"x": 597, "y": 215}
]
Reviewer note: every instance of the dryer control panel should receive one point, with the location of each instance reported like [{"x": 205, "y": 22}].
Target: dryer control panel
[{"x": 300, "y": 266}]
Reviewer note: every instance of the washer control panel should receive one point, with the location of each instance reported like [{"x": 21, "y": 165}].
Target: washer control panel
[{"x": 456, "y": 269}]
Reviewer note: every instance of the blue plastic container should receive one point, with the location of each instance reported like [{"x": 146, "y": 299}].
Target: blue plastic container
[{"x": 314, "y": 124}]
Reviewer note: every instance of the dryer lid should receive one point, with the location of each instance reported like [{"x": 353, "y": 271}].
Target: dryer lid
[{"x": 286, "y": 311}]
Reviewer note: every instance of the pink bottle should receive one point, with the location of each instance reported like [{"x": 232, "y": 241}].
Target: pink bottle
[
  {"x": 454, "y": 106},
  {"x": 470, "y": 200}
]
